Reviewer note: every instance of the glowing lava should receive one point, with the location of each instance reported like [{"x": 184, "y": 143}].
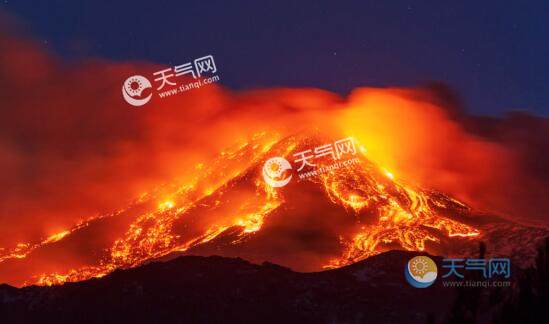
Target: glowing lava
[
  {"x": 389, "y": 213},
  {"x": 392, "y": 212}
]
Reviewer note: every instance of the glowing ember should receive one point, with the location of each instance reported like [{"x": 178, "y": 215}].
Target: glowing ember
[
  {"x": 151, "y": 234},
  {"x": 395, "y": 213},
  {"x": 166, "y": 205},
  {"x": 388, "y": 213}
]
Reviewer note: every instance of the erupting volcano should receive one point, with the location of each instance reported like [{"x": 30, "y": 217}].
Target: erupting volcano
[
  {"x": 425, "y": 177},
  {"x": 326, "y": 221},
  {"x": 224, "y": 167}
]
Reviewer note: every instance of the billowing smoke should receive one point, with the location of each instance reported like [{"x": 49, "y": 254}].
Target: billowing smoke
[
  {"x": 495, "y": 164},
  {"x": 71, "y": 148}
]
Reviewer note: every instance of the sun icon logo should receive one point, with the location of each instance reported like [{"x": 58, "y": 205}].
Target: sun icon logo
[
  {"x": 421, "y": 271},
  {"x": 274, "y": 172},
  {"x": 133, "y": 88},
  {"x": 419, "y": 267}
]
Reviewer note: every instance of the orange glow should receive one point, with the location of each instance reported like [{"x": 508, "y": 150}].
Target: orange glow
[
  {"x": 219, "y": 195},
  {"x": 69, "y": 209},
  {"x": 57, "y": 237},
  {"x": 166, "y": 205},
  {"x": 403, "y": 213},
  {"x": 391, "y": 212},
  {"x": 151, "y": 236}
]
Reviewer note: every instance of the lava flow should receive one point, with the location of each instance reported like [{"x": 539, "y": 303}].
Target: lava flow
[
  {"x": 151, "y": 234},
  {"x": 403, "y": 215},
  {"x": 228, "y": 200}
]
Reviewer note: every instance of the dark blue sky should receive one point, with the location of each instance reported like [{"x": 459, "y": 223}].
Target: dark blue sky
[{"x": 495, "y": 55}]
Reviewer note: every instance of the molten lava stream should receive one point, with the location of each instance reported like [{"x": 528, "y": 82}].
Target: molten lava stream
[{"x": 230, "y": 194}]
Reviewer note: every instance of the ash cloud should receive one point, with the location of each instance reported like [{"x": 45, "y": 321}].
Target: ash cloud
[{"x": 71, "y": 148}]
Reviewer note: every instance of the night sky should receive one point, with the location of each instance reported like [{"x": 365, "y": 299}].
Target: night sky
[{"x": 494, "y": 55}]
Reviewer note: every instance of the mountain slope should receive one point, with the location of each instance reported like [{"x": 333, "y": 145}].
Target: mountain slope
[{"x": 328, "y": 220}]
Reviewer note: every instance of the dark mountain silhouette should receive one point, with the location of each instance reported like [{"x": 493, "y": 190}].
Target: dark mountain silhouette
[{"x": 194, "y": 289}]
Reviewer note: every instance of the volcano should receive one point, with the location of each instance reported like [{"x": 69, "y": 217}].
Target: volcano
[{"x": 326, "y": 220}]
